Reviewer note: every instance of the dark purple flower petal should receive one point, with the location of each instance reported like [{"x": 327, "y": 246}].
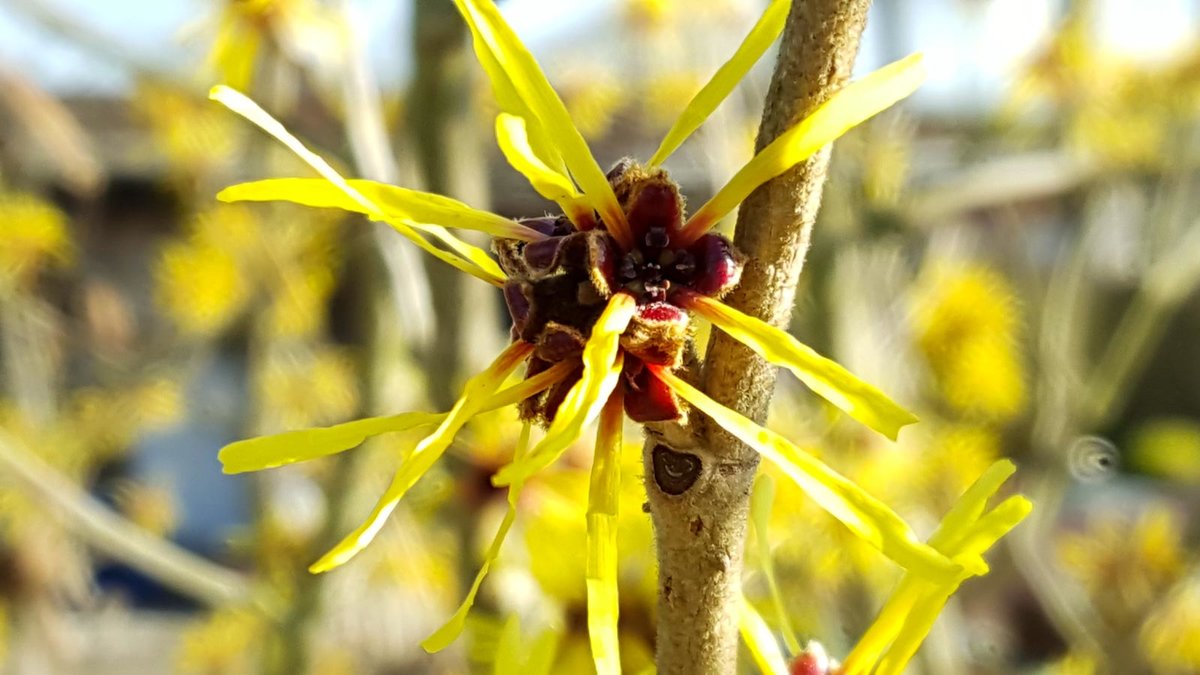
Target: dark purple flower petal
[{"x": 718, "y": 265}]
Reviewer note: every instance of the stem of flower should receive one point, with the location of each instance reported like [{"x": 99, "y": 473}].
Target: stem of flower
[{"x": 701, "y": 531}]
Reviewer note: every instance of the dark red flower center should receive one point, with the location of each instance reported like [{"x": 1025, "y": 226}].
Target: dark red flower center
[{"x": 558, "y": 287}]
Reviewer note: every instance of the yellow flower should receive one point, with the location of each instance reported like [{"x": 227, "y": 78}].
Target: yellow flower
[
  {"x": 300, "y": 390},
  {"x": 33, "y": 234},
  {"x": 593, "y": 100},
  {"x": 966, "y": 325},
  {"x": 1168, "y": 448},
  {"x": 194, "y": 138},
  {"x": 1126, "y": 566},
  {"x": 246, "y": 29},
  {"x": 630, "y": 272},
  {"x": 1170, "y": 638},
  {"x": 225, "y": 642},
  {"x": 199, "y": 286}
]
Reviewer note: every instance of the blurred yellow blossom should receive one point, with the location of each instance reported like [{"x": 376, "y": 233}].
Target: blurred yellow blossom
[
  {"x": 1170, "y": 638},
  {"x": 663, "y": 92},
  {"x": 199, "y": 287},
  {"x": 966, "y": 323},
  {"x": 33, "y": 233},
  {"x": 194, "y": 138},
  {"x": 594, "y": 99},
  {"x": 315, "y": 388},
  {"x": 303, "y": 31},
  {"x": 1126, "y": 566},
  {"x": 1168, "y": 448},
  {"x": 225, "y": 642}
]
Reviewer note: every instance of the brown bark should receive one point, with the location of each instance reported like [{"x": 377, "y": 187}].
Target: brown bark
[{"x": 698, "y": 478}]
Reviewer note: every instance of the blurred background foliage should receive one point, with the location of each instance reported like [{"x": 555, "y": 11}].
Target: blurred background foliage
[{"x": 1014, "y": 254}]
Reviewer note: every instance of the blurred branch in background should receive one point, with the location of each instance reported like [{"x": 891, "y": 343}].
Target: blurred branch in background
[{"x": 116, "y": 537}]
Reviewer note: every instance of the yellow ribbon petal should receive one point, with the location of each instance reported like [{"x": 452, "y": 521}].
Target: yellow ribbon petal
[
  {"x": 265, "y": 452},
  {"x": 512, "y": 135},
  {"x": 827, "y": 378},
  {"x": 477, "y": 391},
  {"x": 603, "y": 498},
  {"x": 728, "y": 76},
  {"x": 760, "y": 641},
  {"x": 909, "y": 613},
  {"x": 453, "y": 627},
  {"x": 289, "y": 447},
  {"x": 394, "y": 202},
  {"x": 502, "y": 46},
  {"x": 861, "y": 513},
  {"x": 602, "y": 362},
  {"x": 761, "y": 502},
  {"x": 472, "y": 264},
  {"x": 853, "y": 105}
]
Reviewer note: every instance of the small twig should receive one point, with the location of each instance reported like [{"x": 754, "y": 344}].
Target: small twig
[{"x": 115, "y": 536}]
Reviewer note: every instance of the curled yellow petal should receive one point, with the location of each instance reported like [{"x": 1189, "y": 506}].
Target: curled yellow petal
[
  {"x": 504, "y": 50},
  {"x": 956, "y": 523},
  {"x": 512, "y": 136},
  {"x": 453, "y": 627},
  {"x": 477, "y": 391},
  {"x": 760, "y": 641},
  {"x": 825, "y": 377},
  {"x": 266, "y": 452},
  {"x": 853, "y": 105},
  {"x": 603, "y": 498},
  {"x": 289, "y": 447},
  {"x": 473, "y": 264},
  {"x": 602, "y": 362},
  {"x": 861, "y": 513},
  {"x": 702, "y": 105}
]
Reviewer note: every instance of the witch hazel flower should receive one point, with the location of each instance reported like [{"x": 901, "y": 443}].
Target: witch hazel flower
[{"x": 602, "y": 300}]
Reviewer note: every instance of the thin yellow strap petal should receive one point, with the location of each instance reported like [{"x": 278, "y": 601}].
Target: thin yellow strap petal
[
  {"x": 453, "y": 627},
  {"x": 476, "y": 393},
  {"x": 882, "y": 632},
  {"x": 854, "y": 104},
  {"x": 863, "y": 514},
  {"x": 971, "y": 504},
  {"x": 760, "y": 641},
  {"x": 825, "y": 377},
  {"x": 602, "y": 363},
  {"x": 321, "y": 193},
  {"x": 603, "y": 499},
  {"x": 702, "y": 105},
  {"x": 247, "y": 108},
  {"x": 394, "y": 202},
  {"x": 921, "y": 617},
  {"x": 289, "y": 447},
  {"x": 495, "y": 36},
  {"x": 991, "y": 527},
  {"x": 761, "y": 503}
]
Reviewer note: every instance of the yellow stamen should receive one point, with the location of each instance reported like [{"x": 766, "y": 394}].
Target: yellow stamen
[
  {"x": 603, "y": 499},
  {"x": 494, "y": 36},
  {"x": 602, "y": 363},
  {"x": 702, "y": 105},
  {"x": 472, "y": 264},
  {"x": 853, "y": 105},
  {"x": 477, "y": 391},
  {"x": 863, "y": 514},
  {"x": 825, "y": 377}
]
